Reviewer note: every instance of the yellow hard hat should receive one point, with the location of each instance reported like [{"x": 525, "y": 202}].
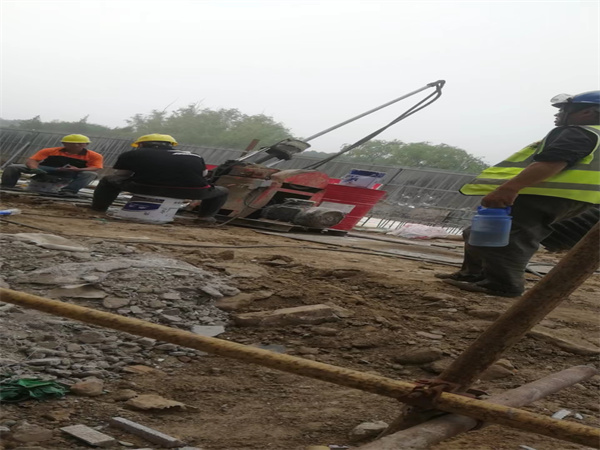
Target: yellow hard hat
[
  {"x": 76, "y": 139},
  {"x": 155, "y": 138}
]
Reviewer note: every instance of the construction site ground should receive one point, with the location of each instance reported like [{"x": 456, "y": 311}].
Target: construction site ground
[{"x": 392, "y": 304}]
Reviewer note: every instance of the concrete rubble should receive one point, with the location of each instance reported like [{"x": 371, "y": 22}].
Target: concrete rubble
[{"x": 111, "y": 277}]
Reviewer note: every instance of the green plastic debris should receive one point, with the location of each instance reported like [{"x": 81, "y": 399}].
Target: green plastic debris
[{"x": 14, "y": 391}]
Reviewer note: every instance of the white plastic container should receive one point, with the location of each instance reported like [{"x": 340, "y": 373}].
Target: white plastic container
[
  {"x": 490, "y": 227},
  {"x": 150, "y": 209}
]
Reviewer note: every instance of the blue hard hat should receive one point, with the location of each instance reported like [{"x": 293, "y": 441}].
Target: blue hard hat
[{"x": 585, "y": 98}]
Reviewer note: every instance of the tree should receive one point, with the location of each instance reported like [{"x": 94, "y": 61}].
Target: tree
[
  {"x": 228, "y": 128},
  {"x": 421, "y": 155},
  {"x": 35, "y": 123},
  {"x": 155, "y": 121}
]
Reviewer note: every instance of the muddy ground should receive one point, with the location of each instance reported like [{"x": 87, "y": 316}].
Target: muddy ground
[{"x": 392, "y": 305}]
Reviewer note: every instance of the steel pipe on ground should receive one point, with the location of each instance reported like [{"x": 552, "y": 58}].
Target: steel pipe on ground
[
  {"x": 477, "y": 409},
  {"x": 437, "y": 430}
]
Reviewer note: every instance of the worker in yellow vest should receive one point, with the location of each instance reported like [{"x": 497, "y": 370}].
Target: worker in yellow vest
[{"x": 550, "y": 180}]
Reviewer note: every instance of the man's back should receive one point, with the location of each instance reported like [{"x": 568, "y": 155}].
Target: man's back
[{"x": 164, "y": 167}]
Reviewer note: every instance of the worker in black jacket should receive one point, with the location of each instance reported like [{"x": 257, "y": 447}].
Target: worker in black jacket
[{"x": 157, "y": 168}]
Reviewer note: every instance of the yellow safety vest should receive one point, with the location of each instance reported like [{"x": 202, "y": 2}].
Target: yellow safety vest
[{"x": 579, "y": 182}]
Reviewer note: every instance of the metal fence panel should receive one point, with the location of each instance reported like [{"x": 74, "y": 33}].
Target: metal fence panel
[{"x": 425, "y": 196}]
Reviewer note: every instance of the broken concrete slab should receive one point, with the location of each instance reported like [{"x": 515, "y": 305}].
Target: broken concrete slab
[
  {"x": 341, "y": 312},
  {"x": 89, "y": 435},
  {"x": 211, "y": 291},
  {"x": 242, "y": 300},
  {"x": 171, "y": 296},
  {"x": 151, "y": 401},
  {"x": 91, "y": 337},
  {"x": 51, "y": 241},
  {"x": 311, "y": 314},
  {"x": 495, "y": 372},
  {"x": 208, "y": 330},
  {"x": 505, "y": 363},
  {"x": 151, "y": 435},
  {"x": 234, "y": 303},
  {"x": 115, "y": 302},
  {"x": 262, "y": 295},
  {"x": 78, "y": 291},
  {"x": 564, "y": 344},
  {"x": 437, "y": 366},
  {"x": 367, "y": 430}
]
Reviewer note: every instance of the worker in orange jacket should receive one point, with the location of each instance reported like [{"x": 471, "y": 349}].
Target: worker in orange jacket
[{"x": 73, "y": 161}]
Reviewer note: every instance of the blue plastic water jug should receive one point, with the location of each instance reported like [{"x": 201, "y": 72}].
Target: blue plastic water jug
[{"x": 490, "y": 227}]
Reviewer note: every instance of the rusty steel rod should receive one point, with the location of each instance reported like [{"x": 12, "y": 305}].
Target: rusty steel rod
[
  {"x": 480, "y": 410},
  {"x": 439, "y": 429},
  {"x": 571, "y": 271}
]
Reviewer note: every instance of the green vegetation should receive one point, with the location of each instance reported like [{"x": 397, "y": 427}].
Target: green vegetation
[
  {"x": 229, "y": 128},
  {"x": 421, "y": 155}
]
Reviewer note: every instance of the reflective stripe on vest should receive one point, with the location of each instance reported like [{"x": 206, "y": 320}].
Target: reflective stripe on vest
[{"x": 579, "y": 182}]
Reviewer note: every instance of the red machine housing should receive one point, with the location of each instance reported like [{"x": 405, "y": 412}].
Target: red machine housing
[
  {"x": 252, "y": 187},
  {"x": 356, "y": 202}
]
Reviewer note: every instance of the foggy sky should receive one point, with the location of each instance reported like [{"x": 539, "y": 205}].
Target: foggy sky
[{"x": 307, "y": 64}]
